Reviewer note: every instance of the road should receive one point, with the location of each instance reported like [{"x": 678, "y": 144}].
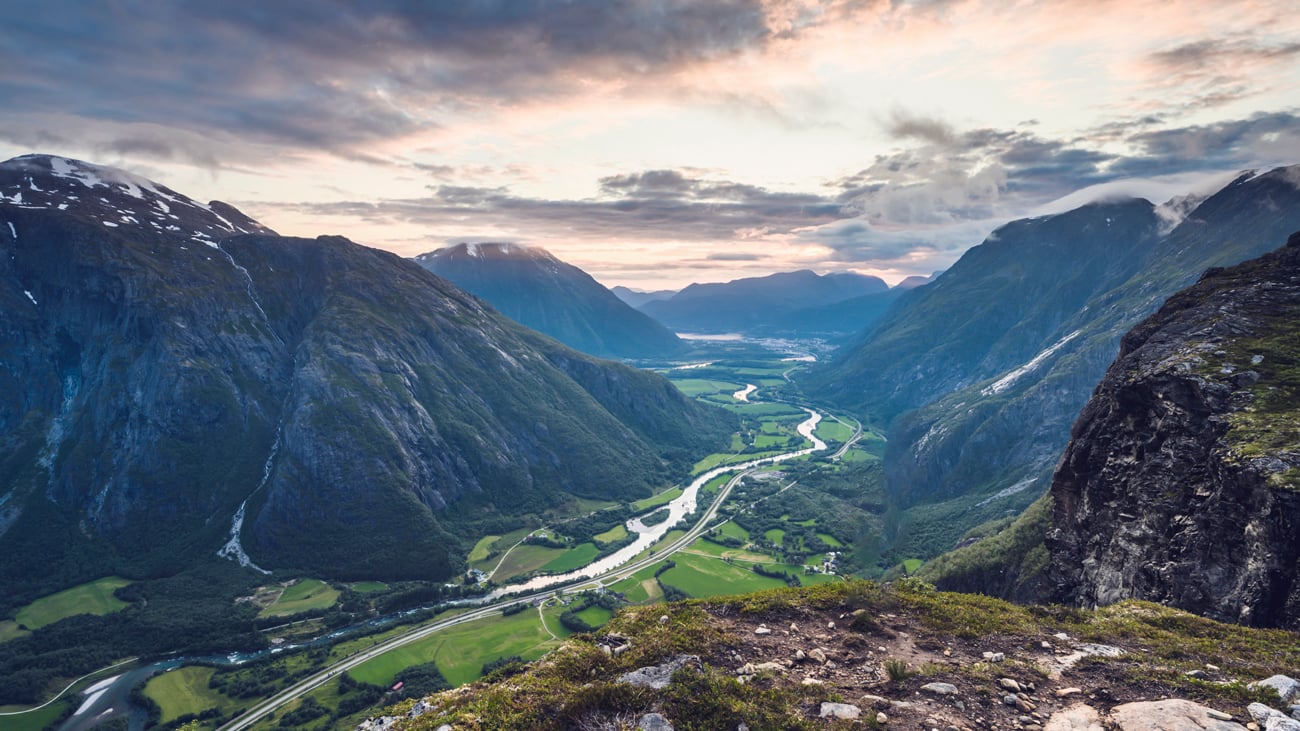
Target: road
[
  {"x": 857, "y": 434},
  {"x": 302, "y": 687}
]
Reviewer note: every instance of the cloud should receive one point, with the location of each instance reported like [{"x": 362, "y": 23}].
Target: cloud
[
  {"x": 654, "y": 204},
  {"x": 336, "y": 73},
  {"x": 1214, "y": 72}
]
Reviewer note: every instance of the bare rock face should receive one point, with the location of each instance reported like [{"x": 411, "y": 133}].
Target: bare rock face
[{"x": 1181, "y": 483}]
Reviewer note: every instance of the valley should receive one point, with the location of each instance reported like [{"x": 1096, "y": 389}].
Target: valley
[{"x": 741, "y": 521}]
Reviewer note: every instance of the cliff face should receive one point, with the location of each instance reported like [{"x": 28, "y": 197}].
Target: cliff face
[{"x": 1181, "y": 483}]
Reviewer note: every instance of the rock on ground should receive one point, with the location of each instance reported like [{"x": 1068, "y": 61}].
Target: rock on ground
[{"x": 1168, "y": 715}]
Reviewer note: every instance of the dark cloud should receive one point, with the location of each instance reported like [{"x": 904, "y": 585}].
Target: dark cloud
[
  {"x": 903, "y": 125},
  {"x": 653, "y": 205},
  {"x": 1261, "y": 140},
  {"x": 329, "y": 74}
]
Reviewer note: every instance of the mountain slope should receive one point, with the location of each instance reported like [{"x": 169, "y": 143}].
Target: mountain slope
[
  {"x": 1181, "y": 483},
  {"x": 757, "y": 304},
  {"x": 350, "y": 406},
  {"x": 532, "y": 287},
  {"x": 980, "y": 407}
]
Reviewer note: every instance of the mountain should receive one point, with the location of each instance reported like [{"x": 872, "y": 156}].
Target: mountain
[
  {"x": 636, "y": 297},
  {"x": 532, "y": 287},
  {"x": 915, "y": 281},
  {"x": 757, "y": 304},
  {"x": 177, "y": 380},
  {"x": 979, "y": 374},
  {"x": 1181, "y": 481}
]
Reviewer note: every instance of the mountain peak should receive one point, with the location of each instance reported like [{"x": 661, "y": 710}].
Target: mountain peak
[
  {"x": 488, "y": 250},
  {"x": 116, "y": 198}
]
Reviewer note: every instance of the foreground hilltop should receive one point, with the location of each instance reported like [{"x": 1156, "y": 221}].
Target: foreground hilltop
[{"x": 859, "y": 654}]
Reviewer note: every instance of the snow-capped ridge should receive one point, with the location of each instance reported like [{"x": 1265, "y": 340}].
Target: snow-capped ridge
[{"x": 114, "y": 198}]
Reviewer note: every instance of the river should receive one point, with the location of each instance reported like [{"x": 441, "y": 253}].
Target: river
[
  {"x": 106, "y": 700},
  {"x": 647, "y": 536}
]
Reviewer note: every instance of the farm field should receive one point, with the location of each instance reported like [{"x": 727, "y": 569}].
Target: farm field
[
  {"x": 184, "y": 691},
  {"x": 304, "y": 595},
  {"x": 95, "y": 597},
  {"x": 461, "y": 651}
]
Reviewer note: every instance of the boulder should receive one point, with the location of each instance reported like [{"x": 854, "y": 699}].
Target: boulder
[
  {"x": 940, "y": 688},
  {"x": 653, "y": 722},
  {"x": 1079, "y": 717},
  {"x": 840, "y": 710},
  {"x": 658, "y": 676},
  {"x": 1288, "y": 688},
  {"x": 1168, "y": 715}
]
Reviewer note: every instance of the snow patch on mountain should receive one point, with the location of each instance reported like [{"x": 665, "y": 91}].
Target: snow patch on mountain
[{"x": 1010, "y": 379}]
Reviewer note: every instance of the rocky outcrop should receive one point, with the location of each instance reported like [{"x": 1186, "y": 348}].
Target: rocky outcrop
[{"x": 1181, "y": 483}]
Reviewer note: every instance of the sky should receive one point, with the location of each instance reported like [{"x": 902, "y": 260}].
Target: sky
[{"x": 658, "y": 143}]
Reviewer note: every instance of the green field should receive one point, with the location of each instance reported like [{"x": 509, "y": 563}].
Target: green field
[
  {"x": 729, "y": 528},
  {"x": 655, "y": 501},
  {"x": 738, "y": 554},
  {"x": 368, "y": 587},
  {"x": 833, "y": 431},
  {"x": 482, "y": 549},
  {"x": 302, "y": 596},
  {"x": 184, "y": 691},
  {"x": 95, "y": 597},
  {"x": 460, "y": 651},
  {"x": 775, "y": 535},
  {"x": 912, "y": 565},
  {"x": 574, "y": 558},
  {"x": 641, "y": 587},
  {"x": 488, "y": 544},
  {"x": 858, "y": 455},
  {"x": 34, "y": 721},
  {"x": 595, "y": 616},
  {"x": 617, "y": 533},
  {"x": 526, "y": 558},
  {"x": 830, "y": 540},
  {"x": 702, "y": 386},
  {"x": 703, "y": 576}
]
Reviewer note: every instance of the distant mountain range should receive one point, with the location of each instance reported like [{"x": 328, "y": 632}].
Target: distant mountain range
[
  {"x": 636, "y": 298},
  {"x": 788, "y": 303},
  {"x": 177, "y": 379},
  {"x": 533, "y": 287},
  {"x": 980, "y": 374}
]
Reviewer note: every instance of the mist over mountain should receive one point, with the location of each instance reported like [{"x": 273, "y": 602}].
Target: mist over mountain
[
  {"x": 530, "y": 286},
  {"x": 179, "y": 380},
  {"x": 980, "y": 374}
]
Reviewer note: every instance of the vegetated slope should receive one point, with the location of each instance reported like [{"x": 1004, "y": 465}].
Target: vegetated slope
[
  {"x": 836, "y": 655},
  {"x": 356, "y": 406},
  {"x": 757, "y": 304},
  {"x": 1181, "y": 482},
  {"x": 980, "y": 406},
  {"x": 532, "y": 287}
]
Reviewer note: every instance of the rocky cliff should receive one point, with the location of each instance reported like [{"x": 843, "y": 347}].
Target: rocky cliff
[{"x": 1181, "y": 482}]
